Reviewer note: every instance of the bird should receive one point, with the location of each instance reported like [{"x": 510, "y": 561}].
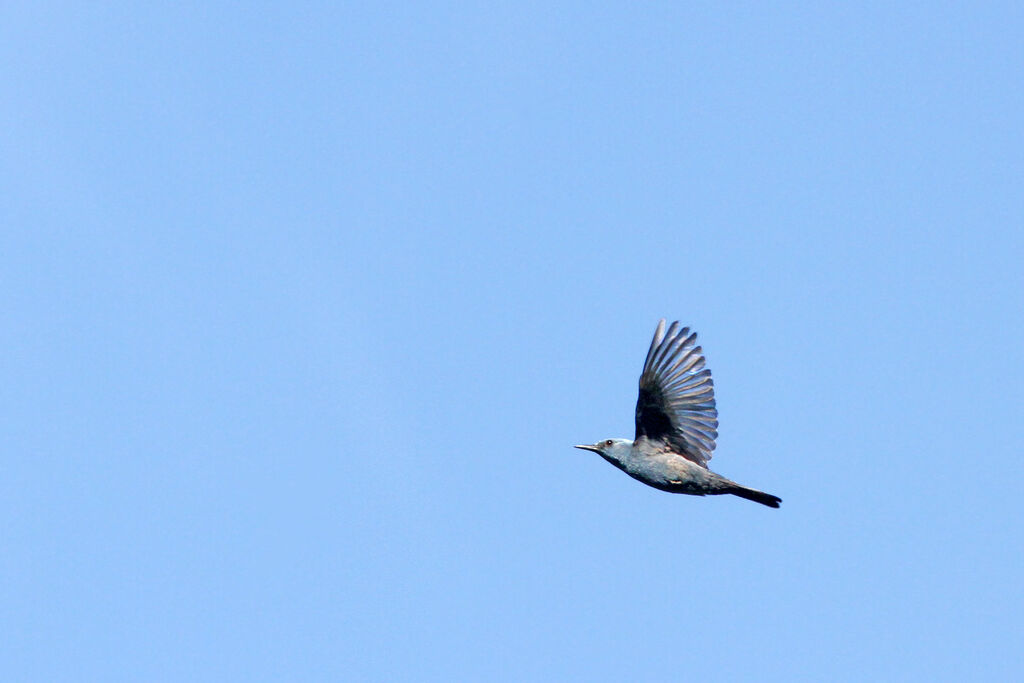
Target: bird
[{"x": 676, "y": 423}]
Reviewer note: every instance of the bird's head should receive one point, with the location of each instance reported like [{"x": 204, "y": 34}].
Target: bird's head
[{"x": 613, "y": 450}]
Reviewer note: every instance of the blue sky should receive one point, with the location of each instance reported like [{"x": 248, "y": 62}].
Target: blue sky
[{"x": 305, "y": 304}]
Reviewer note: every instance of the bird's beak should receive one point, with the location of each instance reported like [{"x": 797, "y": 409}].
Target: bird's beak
[{"x": 588, "y": 448}]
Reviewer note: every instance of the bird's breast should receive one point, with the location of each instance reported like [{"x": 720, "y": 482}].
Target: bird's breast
[{"x": 663, "y": 470}]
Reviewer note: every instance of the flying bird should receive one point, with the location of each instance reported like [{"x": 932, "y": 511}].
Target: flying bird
[{"x": 676, "y": 423}]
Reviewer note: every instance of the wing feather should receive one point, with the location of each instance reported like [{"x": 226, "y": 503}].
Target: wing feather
[{"x": 676, "y": 403}]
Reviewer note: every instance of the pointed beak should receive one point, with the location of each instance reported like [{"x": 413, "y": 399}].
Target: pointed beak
[{"x": 588, "y": 448}]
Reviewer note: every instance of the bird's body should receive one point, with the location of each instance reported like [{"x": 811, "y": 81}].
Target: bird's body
[
  {"x": 662, "y": 468},
  {"x": 676, "y": 424}
]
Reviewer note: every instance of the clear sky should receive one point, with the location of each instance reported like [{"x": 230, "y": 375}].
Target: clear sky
[{"x": 304, "y": 305}]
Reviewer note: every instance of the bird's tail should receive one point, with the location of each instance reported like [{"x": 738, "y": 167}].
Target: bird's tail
[{"x": 755, "y": 495}]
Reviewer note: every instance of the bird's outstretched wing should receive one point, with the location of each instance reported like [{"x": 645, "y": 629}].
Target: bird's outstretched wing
[{"x": 677, "y": 397}]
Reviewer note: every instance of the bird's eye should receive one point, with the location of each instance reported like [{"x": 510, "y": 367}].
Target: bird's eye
[{"x": 608, "y": 442}]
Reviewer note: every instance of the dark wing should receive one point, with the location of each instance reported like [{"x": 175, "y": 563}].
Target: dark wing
[{"x": 677, "y": 398}]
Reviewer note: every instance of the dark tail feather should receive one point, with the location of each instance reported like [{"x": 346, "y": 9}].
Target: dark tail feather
[{"x": 756, "y": 496}]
